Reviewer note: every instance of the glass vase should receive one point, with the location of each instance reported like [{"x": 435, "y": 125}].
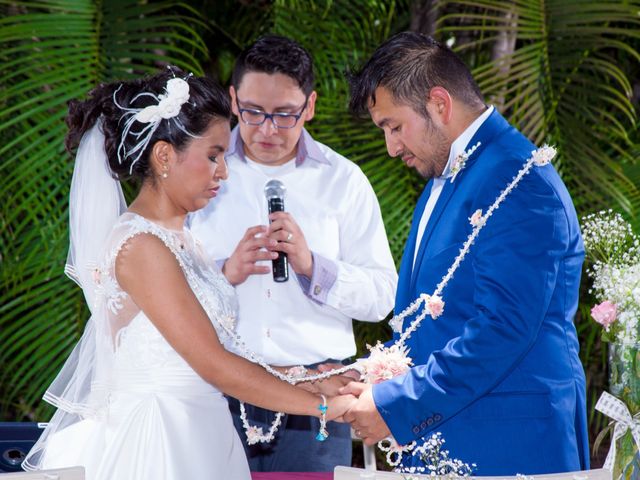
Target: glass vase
[{"x": 624, "y": 383}]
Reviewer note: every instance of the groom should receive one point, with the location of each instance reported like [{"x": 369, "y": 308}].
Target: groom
[{"x": 498, "y": 372}]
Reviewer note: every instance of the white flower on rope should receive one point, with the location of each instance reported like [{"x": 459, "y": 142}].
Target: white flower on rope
[
  {"x": 253, "y": 435},
  {"x": 543, "y": 155},
  {"x": 476, "y": 218}
]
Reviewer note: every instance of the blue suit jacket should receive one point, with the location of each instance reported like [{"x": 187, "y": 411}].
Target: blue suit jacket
[{"x": 498, "y": 373}]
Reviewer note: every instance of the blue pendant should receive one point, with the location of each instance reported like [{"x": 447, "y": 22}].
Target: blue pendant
[{"x": 322, "y": 435}]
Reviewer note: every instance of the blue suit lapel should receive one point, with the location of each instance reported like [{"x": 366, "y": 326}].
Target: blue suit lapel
[
  {"x": 443, "y": 200},
  {"x": 485, "y": 134},
  {"x": 403, "y": 293}
]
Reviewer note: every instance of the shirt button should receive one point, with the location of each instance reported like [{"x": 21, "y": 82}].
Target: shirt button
[
  {"x": 268, "y": 293},
  {"x": 317, "y": 289}
]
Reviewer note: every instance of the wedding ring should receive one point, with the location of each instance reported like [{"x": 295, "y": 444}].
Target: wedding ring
[
  {"x": 289, "y": 237},
  {"x": 358, "y": 433}
]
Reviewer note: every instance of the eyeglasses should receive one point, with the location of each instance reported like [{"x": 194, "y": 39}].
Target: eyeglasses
[{"x": 251, "y": 116}]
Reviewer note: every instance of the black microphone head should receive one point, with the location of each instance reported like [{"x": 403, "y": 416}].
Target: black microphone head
[{"x": 274, "y": 189}]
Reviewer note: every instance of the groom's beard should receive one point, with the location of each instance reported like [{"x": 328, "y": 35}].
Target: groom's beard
[{"x": 432, "y": 159}]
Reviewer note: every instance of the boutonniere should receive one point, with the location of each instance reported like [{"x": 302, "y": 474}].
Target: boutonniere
[
  {"x": 461, "y": 160},
  {"x": 543, "y": 155}
]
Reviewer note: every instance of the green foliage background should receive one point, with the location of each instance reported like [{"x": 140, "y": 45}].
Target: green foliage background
[{"x": 568, "y": 79}]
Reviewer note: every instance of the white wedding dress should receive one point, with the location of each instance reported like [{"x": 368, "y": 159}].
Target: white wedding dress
[{"x": 138, "y": 410}]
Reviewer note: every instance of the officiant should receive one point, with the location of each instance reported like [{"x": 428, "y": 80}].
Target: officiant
[
  {"x": 339, "y": 264},
  {"x": 498, "y": 372}
]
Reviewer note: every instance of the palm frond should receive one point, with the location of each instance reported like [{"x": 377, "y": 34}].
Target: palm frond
[
  {"x": 562, "y": 84},
  {"x": 50, "y": 53}
]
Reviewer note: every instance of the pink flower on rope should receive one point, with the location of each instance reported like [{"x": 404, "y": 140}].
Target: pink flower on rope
[
  {"x": 476, "y": 219},
  {"x": 605, "y": 313},
  {"x": 385, "y": 363},
  {"x": 435, "y": 305}
]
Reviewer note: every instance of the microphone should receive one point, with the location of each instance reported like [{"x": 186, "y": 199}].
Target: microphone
[{"x": 274, "y": 191}]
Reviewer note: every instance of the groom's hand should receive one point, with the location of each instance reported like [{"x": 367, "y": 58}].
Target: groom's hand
[{"x": 363, "y": 414}]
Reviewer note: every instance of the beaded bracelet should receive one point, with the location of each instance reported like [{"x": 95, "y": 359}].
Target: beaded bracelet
[{"x": 323, "y": 433}]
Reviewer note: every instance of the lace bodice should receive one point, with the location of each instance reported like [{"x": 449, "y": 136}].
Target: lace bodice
[
  {"x": 129, "y": 406},
  {"x": 136, "y": 342}
]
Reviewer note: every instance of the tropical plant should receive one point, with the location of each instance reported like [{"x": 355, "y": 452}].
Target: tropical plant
[
  {"x": 560, "y": 79},
  {"x": 51, "y": 52}
]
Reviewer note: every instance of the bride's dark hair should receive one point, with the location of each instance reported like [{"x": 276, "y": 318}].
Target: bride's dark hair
[{"x": 207, "y": 101}]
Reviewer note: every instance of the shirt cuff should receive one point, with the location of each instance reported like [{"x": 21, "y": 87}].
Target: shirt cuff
[
  {"x": 323, "y": 276},
  {"x": 220, "y": 263}
]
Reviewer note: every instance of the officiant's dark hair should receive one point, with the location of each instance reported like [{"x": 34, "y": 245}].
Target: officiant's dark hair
[
  {"x": 276, "y": 54},
  {"x": 409, "y": 65},
  {"x": 207, "y": 101}
]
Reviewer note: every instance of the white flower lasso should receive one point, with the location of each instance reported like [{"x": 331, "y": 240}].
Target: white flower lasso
[
  {"x": 254, "y": 433},
  {"x": 168, "y": 107},
  {"x": 618, "y": 411},
  {"x": 394, "y": 450},
  {"x": 395, "y": 356}
]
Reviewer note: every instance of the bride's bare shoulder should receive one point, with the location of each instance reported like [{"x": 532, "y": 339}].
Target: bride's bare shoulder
[{"x": 145, "y": 257}]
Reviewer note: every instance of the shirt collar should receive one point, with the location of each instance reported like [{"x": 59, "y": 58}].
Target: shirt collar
[
  {"x": 307, "y": 148},
  {"x": 460, "y": 144}
]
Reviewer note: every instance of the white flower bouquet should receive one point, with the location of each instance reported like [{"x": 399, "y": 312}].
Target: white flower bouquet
[{"x": 613, "y": 252}]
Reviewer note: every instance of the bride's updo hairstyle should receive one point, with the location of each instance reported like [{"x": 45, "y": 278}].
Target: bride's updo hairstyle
[{"x": 117, "y": 103}]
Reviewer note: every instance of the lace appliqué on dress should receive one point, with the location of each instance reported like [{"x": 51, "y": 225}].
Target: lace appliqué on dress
[
  {"x": 211, "y": 288},
  {"x": 107, "y": 291}
]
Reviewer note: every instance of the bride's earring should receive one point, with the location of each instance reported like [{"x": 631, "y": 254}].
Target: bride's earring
[{"x": 165, "y": 171}]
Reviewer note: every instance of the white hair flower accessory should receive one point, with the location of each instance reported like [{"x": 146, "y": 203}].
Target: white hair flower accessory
[{"x": 168, "y": 106}]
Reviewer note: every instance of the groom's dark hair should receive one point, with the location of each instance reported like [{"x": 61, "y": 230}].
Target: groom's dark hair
[{"x": 409, "y": 65}]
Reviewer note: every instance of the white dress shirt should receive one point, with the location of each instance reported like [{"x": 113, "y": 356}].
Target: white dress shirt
[
  {"x": 304, "y": 321},
  {"x": 458, "y": 146}
]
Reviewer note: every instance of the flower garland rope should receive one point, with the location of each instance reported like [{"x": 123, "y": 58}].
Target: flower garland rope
[{"x": 433, "y": 306}]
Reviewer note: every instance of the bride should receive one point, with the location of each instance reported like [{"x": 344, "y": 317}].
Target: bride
[{"x": 141, "y": 396}]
